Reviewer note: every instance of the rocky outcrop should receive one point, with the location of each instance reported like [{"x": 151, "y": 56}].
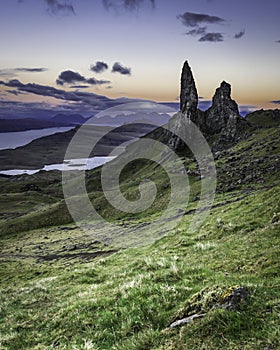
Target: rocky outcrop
[
  {"x": 221, "y": 124},
  {"x": 232, "y": 298},
  {"x": 223, "y": 118},
  {"x": 222, "y": 110}
]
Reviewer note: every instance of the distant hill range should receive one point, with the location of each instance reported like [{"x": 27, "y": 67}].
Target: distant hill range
[
  {"x": 14, "y": 125},
  {"x": 68, "y": 119},
  {"x": 59, "y": 120},
  {"x": 121, "y": 119}
]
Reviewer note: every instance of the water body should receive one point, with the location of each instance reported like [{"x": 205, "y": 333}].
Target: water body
[
  {"x": 21, "y": 138},
  {"x": 71, "y": 164}
]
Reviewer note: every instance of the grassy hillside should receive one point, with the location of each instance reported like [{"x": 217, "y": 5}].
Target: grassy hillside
[
  {"x": 64, "y": 289},
  {"x": 264, "y": 118}
]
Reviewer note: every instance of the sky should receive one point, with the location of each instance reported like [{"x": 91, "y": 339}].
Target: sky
[{"x": 83, "y": 56}]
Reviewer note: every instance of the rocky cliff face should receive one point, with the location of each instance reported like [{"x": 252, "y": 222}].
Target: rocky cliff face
[{"x": 221, "y": 124}]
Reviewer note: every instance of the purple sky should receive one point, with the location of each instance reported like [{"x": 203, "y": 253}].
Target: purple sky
[{"x": 82, "y": 55}]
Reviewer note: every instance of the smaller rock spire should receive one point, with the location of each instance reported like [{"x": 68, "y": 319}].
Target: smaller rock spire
[{"x": 223, "y": 108}]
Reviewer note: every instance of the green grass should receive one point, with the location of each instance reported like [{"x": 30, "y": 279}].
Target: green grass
[
  {"x": 127, "y": 300},
  {"x": 62, "y": 288}
]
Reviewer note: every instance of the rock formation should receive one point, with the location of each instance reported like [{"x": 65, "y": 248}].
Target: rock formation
[
  {"x": 223, "y": 119},
  {"x": 221, "y": 124},
  {"x": 223, "y": 108},
  {"x": 188, "y": 109},
  {"x": 188, "y": 96}
]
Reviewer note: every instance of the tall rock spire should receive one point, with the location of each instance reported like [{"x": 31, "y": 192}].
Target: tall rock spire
[
  {"x": 188, "y": 95},
  {"x": 180, "y": 123}
]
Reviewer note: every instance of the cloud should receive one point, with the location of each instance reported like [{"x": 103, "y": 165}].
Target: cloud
[
  {"x": 56, "y": 6},
  {"x": 118, "y": 68},
  {"x": 277, "y": 41},
  {"x": 7, "y": 73},
  {"x": 276, "y": 102},
  {"x": 212, "y": 37},
  {"x": 44, "y": 90},
  {"x": 190, "y": 19},
  {"x": 14, "y": 92},
  {"x": 31, "y": 70},
  {"x": 198, "y": 31},
  {"x": 70, "y": 77},
  {"x": 240, "y": 34},
  {"x": 130, "y": 5},
  {"x": 78, "y": 101},
  {"x": 196, "y": 22},
  {"x": 73, "y": 100},
  {"x": 79, "y": 86},
  {"x": 99, "y": 67},
  {"x": 11, "y": 72},
  {"x": 94, "y": 81}
]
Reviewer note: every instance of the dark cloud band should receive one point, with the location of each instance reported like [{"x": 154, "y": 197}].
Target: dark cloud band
[
  {"x": 212, "y": 37},
  {"x": 129, "y": 5},
  {"x": 55, "y": 6},
  {"x": 79, "y": 86},
  {"x": 13, "y": 71},
  {"x": 31, "y": 70},
  {"x": 190, "y": 19},
  {"x": 86, "y": 103},
  {"x": 70, "y": 77},
  {"x": 197, "y": 31}
]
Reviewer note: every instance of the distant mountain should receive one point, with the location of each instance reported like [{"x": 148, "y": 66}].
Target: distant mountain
[
  {"x": 68, "y": 119},
  {"x": 121, "y": 119},
  {"x": 106, "y": 120},
  {"x": 63, "y": 119},
  {"x": 59, "y": 120},
  {"x": 14, "y": 125}
]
